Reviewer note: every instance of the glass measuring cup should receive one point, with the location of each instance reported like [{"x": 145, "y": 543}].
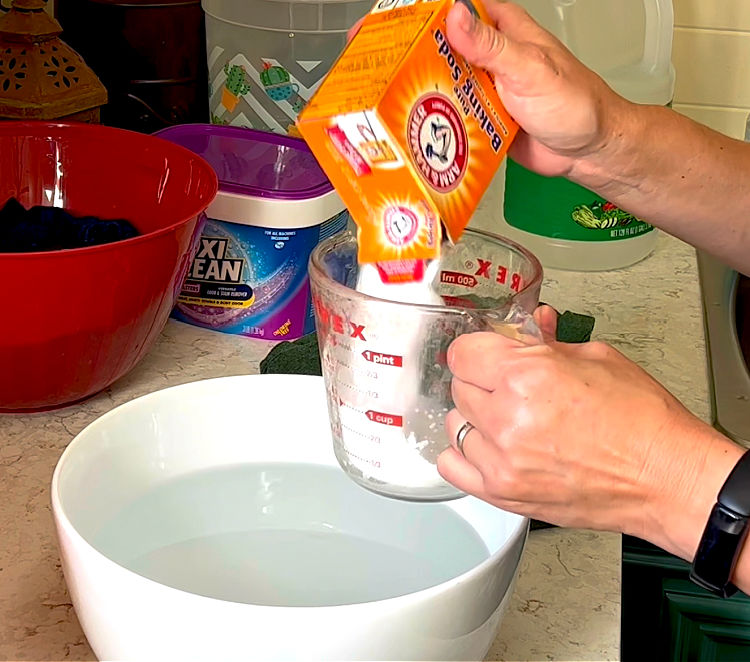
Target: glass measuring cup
[{"x": 383, "y": 362}]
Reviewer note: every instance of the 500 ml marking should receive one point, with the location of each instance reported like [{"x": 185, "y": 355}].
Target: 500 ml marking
[{"x": 457, "y": 278}]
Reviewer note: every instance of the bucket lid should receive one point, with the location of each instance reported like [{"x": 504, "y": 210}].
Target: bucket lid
[{"x": 254, "y": 163}]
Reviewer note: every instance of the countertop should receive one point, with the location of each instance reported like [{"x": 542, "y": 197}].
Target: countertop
[{"x": 567, "y": 600}]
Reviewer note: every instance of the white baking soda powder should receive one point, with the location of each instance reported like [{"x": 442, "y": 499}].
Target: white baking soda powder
[{"x": 390, "y": 432}]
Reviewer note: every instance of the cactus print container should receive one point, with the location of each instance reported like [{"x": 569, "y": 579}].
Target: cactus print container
[
  {"x": 267, "y": 57},
  {"x": 274, "y": 205}
]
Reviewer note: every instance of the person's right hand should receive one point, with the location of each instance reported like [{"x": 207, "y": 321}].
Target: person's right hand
[{"x": 566, "y": 111}]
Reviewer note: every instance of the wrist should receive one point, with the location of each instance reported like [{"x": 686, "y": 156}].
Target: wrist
[
  {"x": 717, "y": 559},
  {"x": 679, "y": 509},
  {"x": 610, "y": 166}
]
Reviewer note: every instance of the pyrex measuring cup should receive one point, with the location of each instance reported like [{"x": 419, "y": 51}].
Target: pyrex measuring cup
[{"x": 384, "y": 362}]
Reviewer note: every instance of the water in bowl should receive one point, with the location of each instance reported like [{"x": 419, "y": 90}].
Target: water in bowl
[{"x": 287, "y": 535}]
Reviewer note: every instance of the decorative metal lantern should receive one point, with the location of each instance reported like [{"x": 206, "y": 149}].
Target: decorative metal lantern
[{"x": 41, "y": 77}]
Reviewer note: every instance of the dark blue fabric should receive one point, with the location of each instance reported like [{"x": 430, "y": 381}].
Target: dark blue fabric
[{"x": 51, "y": 228}]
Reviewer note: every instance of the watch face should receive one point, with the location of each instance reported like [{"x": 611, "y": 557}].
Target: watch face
[
  {"x": 725, "y": 533},
  {"x": 734, "y": 495},
  {"x": 718, "y": 549}
]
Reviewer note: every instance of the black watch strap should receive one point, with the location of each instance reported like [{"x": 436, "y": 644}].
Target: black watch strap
[{"x": 725, "y": 533}]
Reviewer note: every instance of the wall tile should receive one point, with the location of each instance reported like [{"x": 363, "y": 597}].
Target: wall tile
[
  {"x": 720, "y": 14},
  {"x": 713, "y": 67},
  {"x": 730, "y": 121}
]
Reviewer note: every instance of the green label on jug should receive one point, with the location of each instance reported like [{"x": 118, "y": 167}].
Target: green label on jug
[{"x": 556, "y": 207}]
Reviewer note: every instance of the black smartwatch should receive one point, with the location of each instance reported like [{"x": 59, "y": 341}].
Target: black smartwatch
[{"x": 725, "y": 533}]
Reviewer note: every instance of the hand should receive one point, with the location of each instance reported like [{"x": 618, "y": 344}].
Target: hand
[
  {"x": 578, "y": 435},
  {"x": 565, "y": 110}
]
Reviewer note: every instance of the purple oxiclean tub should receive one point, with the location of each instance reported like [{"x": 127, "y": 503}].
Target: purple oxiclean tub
[{"x": 275, "y": 204}]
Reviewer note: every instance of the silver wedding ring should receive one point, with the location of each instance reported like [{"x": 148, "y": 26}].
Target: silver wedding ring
[{"x": 461, "y": 436}]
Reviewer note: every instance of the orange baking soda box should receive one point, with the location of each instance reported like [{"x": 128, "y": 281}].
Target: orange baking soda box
[{"x": 408, "y": 132}]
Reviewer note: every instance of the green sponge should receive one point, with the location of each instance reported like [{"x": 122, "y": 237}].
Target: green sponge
[
  {"x": 574, "y": 327},
  {"x": 298, "y": 357}
]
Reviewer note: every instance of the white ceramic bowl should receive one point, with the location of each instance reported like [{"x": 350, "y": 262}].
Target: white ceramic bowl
[{"x": 227, "y": 494}]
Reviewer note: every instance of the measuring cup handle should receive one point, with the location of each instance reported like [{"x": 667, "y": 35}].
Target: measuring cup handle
[
  {"x": 657, "y": 53},
  {"x": 518, "y": 325}
]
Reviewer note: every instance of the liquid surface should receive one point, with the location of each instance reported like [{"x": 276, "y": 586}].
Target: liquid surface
[{"x": 287, "y": 535}]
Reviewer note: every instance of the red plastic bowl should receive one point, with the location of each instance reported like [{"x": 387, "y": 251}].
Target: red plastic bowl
[{"x": 76, "y": 320}]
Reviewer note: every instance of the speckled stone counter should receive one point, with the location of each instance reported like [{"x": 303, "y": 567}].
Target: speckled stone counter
[{"x": 567, "y": 601}]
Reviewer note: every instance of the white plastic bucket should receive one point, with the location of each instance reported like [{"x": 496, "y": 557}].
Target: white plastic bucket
[{"x": 627, "y": 42}]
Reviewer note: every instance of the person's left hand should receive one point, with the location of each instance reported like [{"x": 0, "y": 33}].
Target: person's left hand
[{"x": 579, "y": 435}]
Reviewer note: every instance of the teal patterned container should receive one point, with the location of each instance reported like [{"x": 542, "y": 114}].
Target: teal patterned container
[{"x": 267, "y": 57}]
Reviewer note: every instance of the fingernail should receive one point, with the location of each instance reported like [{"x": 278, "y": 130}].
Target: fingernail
[
  {"x": 449, "y": 357},
  {"x": 466, "y": 18}
]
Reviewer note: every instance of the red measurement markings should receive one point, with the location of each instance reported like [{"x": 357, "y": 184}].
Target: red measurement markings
[
  {"x": 457, "y": 278},
  {"x": 383, "y": 359},
  {"x": 384, "y": 419}
]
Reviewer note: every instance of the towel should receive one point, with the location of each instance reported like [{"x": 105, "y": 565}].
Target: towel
[{"x": 51, "y": 229}]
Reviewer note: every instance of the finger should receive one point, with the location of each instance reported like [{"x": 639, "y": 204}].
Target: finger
[
  {"x": 473, "y": 402},
  {"x": 478, "y": 42},
  {"x": 502, "y": 51},
  {"x": 476, "y": 449},
  {"x": 466, "y": 473},
  {"x": 476, "y": 357},
  {"x": 453, "y": 465},
  {"x": 513, "y": 20},
  {"x": 459, "y": 473},
  {"x": 457, "y": 470},
  {"x": 546, "y": 319}
]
